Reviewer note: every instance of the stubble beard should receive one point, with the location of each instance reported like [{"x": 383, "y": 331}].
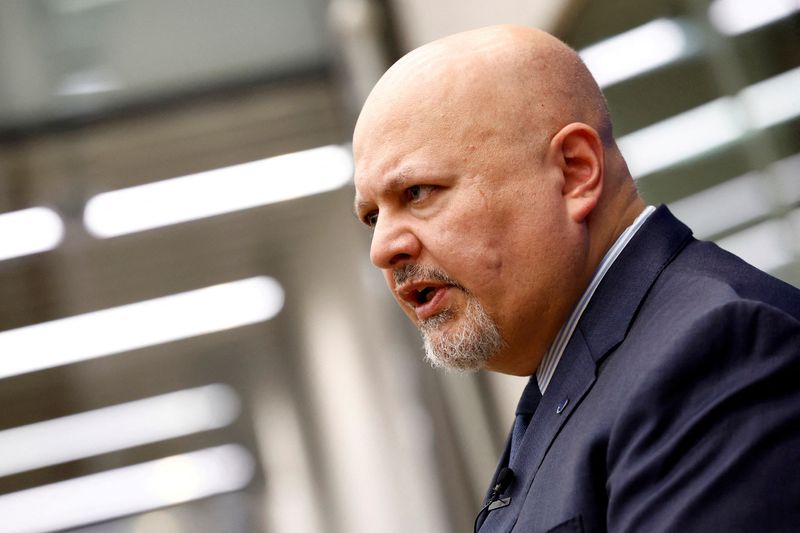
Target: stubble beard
[{"x": 468, "y": 346}]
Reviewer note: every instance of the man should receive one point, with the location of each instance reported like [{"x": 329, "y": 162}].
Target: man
[{"x": 510, "y": 232}]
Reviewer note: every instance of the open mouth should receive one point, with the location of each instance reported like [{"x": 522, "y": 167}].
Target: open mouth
[
  {"x": 424, "y": 291},
  {"x": 424, "y": 295},
  {"x": 425, "y": 299}
]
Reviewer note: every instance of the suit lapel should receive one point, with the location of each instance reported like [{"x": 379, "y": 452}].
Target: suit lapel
[{"x": 572, "y": 380}]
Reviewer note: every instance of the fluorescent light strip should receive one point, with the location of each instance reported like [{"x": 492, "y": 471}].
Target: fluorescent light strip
[
  {"x": 135, "y": 423},
  {"x": 652, "y": 45},
  {"x": 29, "y": 231},
  {"x": 89, "y": 81},
  {"x": 218, "y": 191},
  {"x": 137, "y": 325},
  {"x": 683, "y": 136},
  {"x": 764, "y": 245},
  {"x": 726, "y": 205},
  {"x": 132, "y": 489},
  {"x": 787, "y": 170},
  {"x": 733, "y": 17},
  {"x": 793, "y": 219},
  {"x": 712, "y": 125},
  {"x": 773, "y": 100}
]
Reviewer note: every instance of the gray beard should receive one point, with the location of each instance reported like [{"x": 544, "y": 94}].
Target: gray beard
[{"x": 467, "y": 347}]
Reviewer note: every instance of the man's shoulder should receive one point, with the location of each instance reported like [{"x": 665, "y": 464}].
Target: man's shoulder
[
  {"x": 699, "y": 275},
  {"x": 709, "y": 307},
  {"x": 709, "y": 393},
  {"x": 704, "y": 279}
]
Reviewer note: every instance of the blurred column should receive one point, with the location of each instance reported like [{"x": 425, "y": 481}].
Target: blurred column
[
  {"x": 360, "y": 29},
  {"x": 365, "y": 424},
  {"x": 24, "y": 83}
]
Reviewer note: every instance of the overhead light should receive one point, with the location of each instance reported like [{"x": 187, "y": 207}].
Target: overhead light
[
  {"x": 129, "y": 490},
  {"x": 712, "y": 125},
  {"x": 636, "y": 51},
  {"x": 132, "y": 326},
  {"x": 786, "y": 171},
  {"x": 69, "y": 7},
  {"x": 765, "y": 245},
  {"x": 773, "y": 100},
  {"x": 218, "y": 191},
  {"x": 733, "y": 17},
  {"x": 793, "y": 219},
  {"x": 29, "y": 231},
  {"x": 135, "y": 423},
  {"x": 89, "y": 81},
  {"x": 726, "y": 205},
  {"x": 683, "y": 136}
]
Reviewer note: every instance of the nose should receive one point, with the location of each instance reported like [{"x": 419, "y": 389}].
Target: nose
[{"x": 393, "y": 244}]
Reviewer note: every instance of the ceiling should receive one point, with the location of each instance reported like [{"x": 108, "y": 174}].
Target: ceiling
[{"x": 66, "y": 58}]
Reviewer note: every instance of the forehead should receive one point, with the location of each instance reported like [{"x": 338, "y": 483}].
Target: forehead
[
  {"x": 399, "y": 146},
  {"x": 399, "y": 139},
  {"x": 392, "y": 147}
]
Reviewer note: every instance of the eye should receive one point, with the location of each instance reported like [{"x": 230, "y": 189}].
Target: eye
[
  {"x": 370, "y": 219},
  {"x": 417, "y": 193}
]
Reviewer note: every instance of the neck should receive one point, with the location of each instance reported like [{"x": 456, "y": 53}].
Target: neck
[{"x": 609, "y": 221}]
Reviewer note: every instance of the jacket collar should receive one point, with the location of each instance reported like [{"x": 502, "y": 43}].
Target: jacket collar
[{"x": 614, "y": 305}]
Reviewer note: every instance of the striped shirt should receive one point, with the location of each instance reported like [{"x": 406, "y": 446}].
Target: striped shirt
[{"x": 550, "y": 361}]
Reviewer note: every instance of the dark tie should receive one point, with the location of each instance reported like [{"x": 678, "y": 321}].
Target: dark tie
[{"x": 525, "y": 409}]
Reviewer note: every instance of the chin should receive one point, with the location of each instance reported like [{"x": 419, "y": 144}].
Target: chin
[{"x": 466, "y": 344}]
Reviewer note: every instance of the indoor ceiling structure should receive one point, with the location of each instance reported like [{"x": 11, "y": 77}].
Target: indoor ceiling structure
[{"x": 191, "y": 335}]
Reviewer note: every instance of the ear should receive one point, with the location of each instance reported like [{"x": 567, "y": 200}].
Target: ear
[{"x": 579, "y": 153}]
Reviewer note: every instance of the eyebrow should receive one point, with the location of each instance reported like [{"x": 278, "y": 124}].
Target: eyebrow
[{"x": 395, "y": 183}]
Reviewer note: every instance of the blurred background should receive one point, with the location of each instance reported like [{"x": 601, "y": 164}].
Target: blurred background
[{"x": 193, "y": 339}]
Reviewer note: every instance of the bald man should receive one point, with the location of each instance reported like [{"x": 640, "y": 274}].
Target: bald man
[{"x": 665, "y": 373}]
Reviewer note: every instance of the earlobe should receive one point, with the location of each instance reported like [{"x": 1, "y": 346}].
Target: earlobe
[{"x": 580, "y": 154}]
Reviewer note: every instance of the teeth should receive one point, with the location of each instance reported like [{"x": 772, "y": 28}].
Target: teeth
[{"x": 428, "y": 295}]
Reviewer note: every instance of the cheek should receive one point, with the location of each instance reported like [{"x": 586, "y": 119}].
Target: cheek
[
  {"x": 479, "y": 241},
  {"x": 473, "y": 255}
]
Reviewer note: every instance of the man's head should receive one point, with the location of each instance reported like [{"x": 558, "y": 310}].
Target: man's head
[{"x": 486, "y": 166}]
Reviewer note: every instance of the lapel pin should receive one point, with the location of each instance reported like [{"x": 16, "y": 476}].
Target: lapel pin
[{"x": 562, "y": 406}]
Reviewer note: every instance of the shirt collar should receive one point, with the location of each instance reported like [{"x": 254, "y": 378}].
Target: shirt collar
[{"x": 550, "y": 361}]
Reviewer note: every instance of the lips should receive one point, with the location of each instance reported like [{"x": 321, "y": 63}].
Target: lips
[{"x": 424, "y": 297}]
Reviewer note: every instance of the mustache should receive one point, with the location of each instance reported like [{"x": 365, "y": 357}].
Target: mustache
[{"x": 408, "y": 273}]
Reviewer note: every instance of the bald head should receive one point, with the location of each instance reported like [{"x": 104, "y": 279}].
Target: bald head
[{"x": 515, "y": 80}]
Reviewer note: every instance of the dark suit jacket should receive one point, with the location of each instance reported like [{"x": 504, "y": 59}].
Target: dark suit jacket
[{"x": 682, "y": 392}]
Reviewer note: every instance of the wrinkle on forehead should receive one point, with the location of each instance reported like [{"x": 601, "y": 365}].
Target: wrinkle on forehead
[{"x": 394, "y": 183}]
